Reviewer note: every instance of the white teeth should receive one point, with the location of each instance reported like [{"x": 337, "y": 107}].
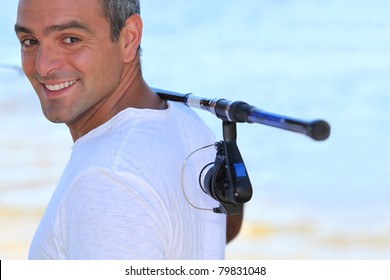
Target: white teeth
[{"x": 60, "y": 86}]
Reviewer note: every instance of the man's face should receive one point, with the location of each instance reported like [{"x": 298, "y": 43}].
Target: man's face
[{"x": 68, "y": 56}]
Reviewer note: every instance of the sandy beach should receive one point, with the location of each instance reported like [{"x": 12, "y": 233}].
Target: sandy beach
[{"x": 257, "y": 240}]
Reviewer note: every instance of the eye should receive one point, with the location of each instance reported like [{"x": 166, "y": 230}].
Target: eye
[
  {"x": 28, "y": 43},
  {"x": 71, "y": 40}
]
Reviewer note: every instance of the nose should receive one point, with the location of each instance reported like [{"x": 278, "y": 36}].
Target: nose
[{"x": 47, "y": 60}]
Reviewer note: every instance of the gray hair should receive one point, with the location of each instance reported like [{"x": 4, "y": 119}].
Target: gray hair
[{"x": 117, "y": 12}]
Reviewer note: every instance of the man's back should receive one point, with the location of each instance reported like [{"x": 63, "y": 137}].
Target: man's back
[{"x": 121, "y": 196}]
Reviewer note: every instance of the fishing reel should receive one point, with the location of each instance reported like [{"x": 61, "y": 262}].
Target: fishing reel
[{"x": 226, "y": 179}]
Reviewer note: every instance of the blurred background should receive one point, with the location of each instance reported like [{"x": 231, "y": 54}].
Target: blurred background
[{"x": 307, "y": 59}]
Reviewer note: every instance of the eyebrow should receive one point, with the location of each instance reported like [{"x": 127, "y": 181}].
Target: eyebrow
[
  {"x": 21, "y": 29},
  {"x": 55, "y": 28}
]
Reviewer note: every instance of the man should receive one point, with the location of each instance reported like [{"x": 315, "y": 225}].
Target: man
[{"x": 120, "y": 196}]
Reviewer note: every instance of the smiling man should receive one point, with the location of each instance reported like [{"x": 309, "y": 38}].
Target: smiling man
[
  {"x": 82, "y": 73},
  {"x": 120, "y": 195}
]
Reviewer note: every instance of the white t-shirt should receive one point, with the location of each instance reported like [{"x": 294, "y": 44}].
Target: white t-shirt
[{"x": 121, "y": 196}]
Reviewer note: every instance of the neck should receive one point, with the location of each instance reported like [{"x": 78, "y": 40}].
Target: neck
[{"x": 133, "y": 92}]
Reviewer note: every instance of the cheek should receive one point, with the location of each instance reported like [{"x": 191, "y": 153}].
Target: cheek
[
  {"x": 102, "y": 70},
  {"x": 28, "y": 65},
  {"x": 99, "y": 78}
]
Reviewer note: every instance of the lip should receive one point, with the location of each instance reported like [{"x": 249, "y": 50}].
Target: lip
[{"x": 55, "y": 89}]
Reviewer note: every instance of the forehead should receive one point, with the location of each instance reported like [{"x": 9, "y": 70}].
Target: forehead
[{"x": 40, "y": 13}]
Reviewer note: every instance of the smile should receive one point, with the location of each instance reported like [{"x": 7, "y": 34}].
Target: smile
[{"x": 60, "y": 86}]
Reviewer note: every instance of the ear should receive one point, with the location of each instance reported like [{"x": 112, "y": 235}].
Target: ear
[{"x": 131, "y": 35}]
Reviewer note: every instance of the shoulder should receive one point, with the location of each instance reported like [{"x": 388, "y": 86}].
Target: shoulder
[{"x": 191, "y": 125}]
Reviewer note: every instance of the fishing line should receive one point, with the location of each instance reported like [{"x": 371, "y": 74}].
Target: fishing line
[{"x": 182, "y": 178}]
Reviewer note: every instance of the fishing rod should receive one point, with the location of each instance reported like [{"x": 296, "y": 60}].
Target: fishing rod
[
  {"x": 226, "y": 179},
  {"x": 241, "y": 112}
]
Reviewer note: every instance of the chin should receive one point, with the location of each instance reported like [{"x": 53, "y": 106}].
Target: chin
[{"x": 55, "y": 119}]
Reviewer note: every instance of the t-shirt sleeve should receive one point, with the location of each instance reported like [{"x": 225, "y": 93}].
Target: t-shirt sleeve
[{"x": 107, "y": 215}]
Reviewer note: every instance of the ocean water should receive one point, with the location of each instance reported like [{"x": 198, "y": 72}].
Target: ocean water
[{"x": 306, "y": 59}]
